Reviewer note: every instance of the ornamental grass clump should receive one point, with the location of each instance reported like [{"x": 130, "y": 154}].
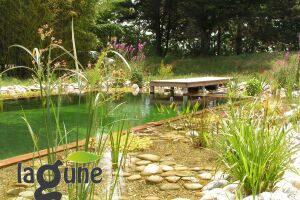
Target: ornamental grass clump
[{"x": 255, "y": 147}]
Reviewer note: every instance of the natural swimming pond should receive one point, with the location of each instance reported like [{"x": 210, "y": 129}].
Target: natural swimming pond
[{"x": 15, "y": 137}]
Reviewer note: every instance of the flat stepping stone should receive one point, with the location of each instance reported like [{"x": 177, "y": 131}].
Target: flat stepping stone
[
  {"x": 196, "y": 169},
  {"x": 15, "y": 191},
  {"x": 168, "y": 162},
  {"x": 27, "y": 194},
  {"x": 190, "y": 178},
  {"x": 152, "y": 198},
  {"x": 151, "y": 169},
  {"x": 180, "y": 168},
  {"x": 205, "y": 176},
  {"x": 169, "y": 173},
  {"x": 143, "y": 162},
  {"x": 150, "y": 157},
  {"x": 154, "y": 179},
  {"x": 169, "y": 186},
  {"x": 134, "y": 177},
  {"x": 173, "y": 179},
  {"x": 140, "y": 168},
  {"x": 183, "y": 173},
  {"x": 193, "y": 186},
  {"x": 167, "y": 168}
]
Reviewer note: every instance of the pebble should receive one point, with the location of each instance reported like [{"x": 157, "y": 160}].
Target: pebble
[
  {"x": 172, "y": 179},
  {"x": 193, "y": 186},
  {"x": 134, "y": 177},
  {"x": 154, "y": 179},
  {"x": 150, "y": 157},
  {"x": 169, "y": 186}
]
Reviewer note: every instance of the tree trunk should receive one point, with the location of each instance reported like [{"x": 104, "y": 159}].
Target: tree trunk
[
  {"x": 168, "y": 29},
  {"x": 205, "y": 42},
  {"x": 219, "y": 40},
  {"x": 158, "y": 30},
  {"x": 239, "y": 37}
]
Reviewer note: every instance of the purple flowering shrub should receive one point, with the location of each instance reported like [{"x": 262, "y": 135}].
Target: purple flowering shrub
[{"x": 130, "y": 52}]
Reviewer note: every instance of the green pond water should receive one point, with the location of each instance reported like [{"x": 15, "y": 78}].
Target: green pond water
[{"x": 16, "y": 140}]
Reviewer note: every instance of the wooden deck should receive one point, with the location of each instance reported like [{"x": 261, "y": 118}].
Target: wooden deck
[
  {"x": 191, "y": 82},
  {"x": 188, "y": 83}
]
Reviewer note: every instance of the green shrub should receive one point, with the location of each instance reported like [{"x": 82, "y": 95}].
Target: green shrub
[
  {"x": 285, "y": 77},
  {"x": 254, "y": 87},
  {"x": 137, "y": 77},
  {"x": 165, "y": 71},
  {"x": 254, "y": 147}
]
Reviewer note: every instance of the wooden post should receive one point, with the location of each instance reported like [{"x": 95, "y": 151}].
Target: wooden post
[
  {"x": 151, "y": 89},
  {"x": 151, "y": 92},
  {"x": 185, "y": 95},
  {"x": 172, "y": 90}
]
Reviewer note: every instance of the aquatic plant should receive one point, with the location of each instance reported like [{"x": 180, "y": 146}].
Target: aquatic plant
[{"x": 254, "y": 146}]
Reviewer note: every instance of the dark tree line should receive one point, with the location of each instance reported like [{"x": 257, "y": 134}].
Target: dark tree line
[
  {"x": 215, "y": 27},
  {"x": 191, "y": 27}
]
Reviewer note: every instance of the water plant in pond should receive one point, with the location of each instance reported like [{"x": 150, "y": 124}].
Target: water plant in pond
[{"x": 254, "y": 146}]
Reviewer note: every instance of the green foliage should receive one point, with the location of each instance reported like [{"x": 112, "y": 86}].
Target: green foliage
[
  {"x": 137, "y": 77},
  {"x": 165, "y": 70},
  {"x": 254, "y": 146},
  {"x": 254, "y": 87}
]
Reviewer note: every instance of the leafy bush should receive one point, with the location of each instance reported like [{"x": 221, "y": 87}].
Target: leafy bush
[
  {"x": 137, "y": 77},
  {"x": 254, "y": 147},
  {"x": 165, "y": 71},
  {"x": 285, "y": 77},
  {"x": 254, "y": 87}
]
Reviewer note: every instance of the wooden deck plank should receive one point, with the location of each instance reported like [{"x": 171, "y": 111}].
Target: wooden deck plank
[{"x": 190, "y": 82}]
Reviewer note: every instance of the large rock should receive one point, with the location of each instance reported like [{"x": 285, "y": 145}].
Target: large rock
[
  {"x": 217, "y": 194},
  {"x": 215, "y": 184},
  {"x": 169, "y": 186},
  {"x": 150, "y": 157},
  {"x": 151, "y": 169}
]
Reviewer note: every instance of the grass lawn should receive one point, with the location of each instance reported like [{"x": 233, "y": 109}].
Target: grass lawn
[{"x": 238, "y": 66}]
